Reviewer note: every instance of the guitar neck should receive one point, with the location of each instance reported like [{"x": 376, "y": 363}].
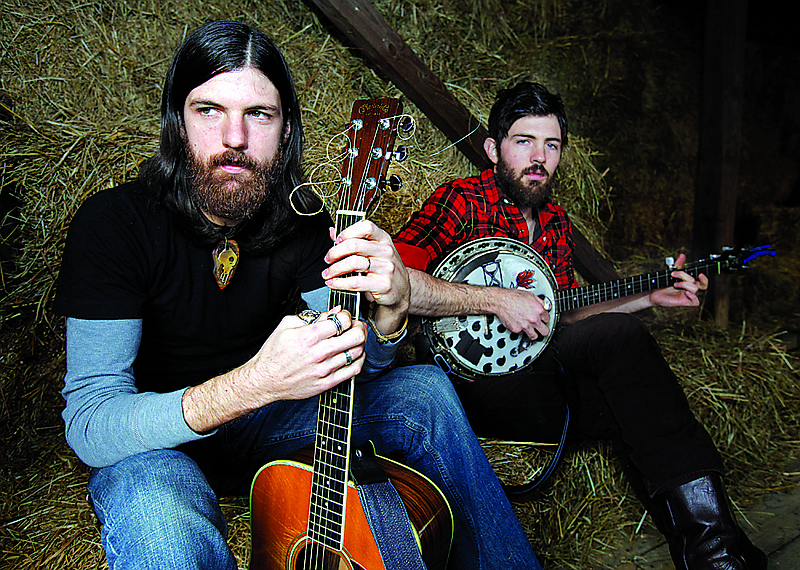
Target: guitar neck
[
  {"x": 347, "y": 300},
  {"x": 332, "y": 450},
  {"x": 370, "y": 147},
  {"x": 568, "y": 299}
]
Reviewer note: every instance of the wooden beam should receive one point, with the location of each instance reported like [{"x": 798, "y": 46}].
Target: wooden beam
[
  {"x": 364, "y": 28},
  {"x": 720, "y": 137}
]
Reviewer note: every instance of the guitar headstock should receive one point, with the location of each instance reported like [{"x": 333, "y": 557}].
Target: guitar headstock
[
  {"x": 737, "y": 258},
  {"x": 371, "y": 137}
]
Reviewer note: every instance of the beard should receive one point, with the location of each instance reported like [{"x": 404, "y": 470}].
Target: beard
[
  {"x": 532, "y": 194},
  {"x": 231, "y": 196}
]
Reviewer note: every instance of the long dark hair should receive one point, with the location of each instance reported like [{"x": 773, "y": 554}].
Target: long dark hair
[
  {"x": 214, "y": 48},
  {"x": 524, "y": 99}
]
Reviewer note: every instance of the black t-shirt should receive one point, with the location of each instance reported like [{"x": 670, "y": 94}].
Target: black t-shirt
[{"x": 127, "y": 259}]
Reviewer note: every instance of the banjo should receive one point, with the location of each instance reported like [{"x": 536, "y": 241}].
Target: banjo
[{"x": 474, "y": 346}]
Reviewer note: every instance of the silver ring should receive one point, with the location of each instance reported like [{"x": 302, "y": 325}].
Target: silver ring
[
  {"x": 336, "y": 322},
  {"x": 369, "y": 264},
  {"x": 347, "y": 357},
  {"x": 309, "y": 316}
]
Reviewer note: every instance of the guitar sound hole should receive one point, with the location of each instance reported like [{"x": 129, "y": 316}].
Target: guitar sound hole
[{"x": 316, "y": 557}]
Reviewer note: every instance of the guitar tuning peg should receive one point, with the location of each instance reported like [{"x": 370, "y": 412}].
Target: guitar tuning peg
[
  {"x": 670, "y": 261},
  {"x": 406, "y": 123},
  {"x": 400, "y": 153},
  {"x": 395, "y": 182}
]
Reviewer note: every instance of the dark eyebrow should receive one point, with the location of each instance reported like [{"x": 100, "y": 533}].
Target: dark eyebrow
[
  {"x": 211, "y": 103},
  {"x": 271, "y": 108},
  {"x": 203, "y": 102},
  {"x": 547, "y": 139}
]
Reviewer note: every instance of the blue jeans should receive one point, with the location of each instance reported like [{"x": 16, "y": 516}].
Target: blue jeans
[{"x": 160, "y": 510}]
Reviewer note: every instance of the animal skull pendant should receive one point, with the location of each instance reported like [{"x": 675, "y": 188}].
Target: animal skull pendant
[{"x": 226, "y": 258}]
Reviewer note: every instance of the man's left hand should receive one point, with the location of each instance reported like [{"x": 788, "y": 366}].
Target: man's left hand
[{"x": 684, "y": 293}]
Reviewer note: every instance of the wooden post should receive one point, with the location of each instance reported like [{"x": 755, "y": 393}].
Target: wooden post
[
  {"x": 720, "y": 137},
  {"x": 365, "y": 28}
]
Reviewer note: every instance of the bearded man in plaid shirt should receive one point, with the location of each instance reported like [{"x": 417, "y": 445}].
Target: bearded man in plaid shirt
[{"x": 601, "y": 360}]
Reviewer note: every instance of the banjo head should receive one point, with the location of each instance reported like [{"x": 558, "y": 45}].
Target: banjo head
[{"x": 474, "y": 346}]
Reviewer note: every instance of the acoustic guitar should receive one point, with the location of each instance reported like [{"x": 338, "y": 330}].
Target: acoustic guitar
[{"x": 306, "y": 512}]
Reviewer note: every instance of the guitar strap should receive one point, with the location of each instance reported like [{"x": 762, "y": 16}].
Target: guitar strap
[{"x": 385, "y": 512}]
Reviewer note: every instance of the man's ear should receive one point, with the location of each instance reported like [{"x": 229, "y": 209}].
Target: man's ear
[
  {"x": 490, "y": 148},
  {"x": 287, "y": 129}
]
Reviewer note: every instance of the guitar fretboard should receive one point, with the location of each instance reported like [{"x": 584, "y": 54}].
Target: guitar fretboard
[
  {"x": 567, "y": 299},
  {"x": 332, "y": 450}
]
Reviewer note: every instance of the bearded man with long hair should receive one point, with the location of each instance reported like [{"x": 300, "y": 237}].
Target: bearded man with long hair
[{"x": 185, "y": 374}]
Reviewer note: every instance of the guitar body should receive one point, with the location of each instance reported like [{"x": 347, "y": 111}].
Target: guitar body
[{"x": 280, "y": 502}]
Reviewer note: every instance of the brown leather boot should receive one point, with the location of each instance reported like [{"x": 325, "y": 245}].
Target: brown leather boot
[{"x": 702, "y": 533}]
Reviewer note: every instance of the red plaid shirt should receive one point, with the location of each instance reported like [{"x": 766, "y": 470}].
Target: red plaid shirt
[{"x": 473, "y": 208}]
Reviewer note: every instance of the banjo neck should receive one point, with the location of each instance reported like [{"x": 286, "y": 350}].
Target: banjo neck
[{"x": 576, "y": 298}]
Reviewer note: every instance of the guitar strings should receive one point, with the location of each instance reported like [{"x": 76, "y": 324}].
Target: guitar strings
[
  {"x": 326, "y": 189},
  {"x": 323, "y": 471},
  {"x": 453, "y": 144}
]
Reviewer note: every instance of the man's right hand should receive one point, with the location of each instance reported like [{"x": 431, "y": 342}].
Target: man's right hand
[
  {"x": 519, "y": 311},
  {"x": 297, "y": 361}
]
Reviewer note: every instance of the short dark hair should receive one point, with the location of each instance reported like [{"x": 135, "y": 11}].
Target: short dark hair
[
  {"x": 523, "y": 100},
  {"x": 214, "y": 48}
]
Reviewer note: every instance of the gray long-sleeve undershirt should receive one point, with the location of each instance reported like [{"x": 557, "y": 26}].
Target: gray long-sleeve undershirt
[{"x": 107, "y": 419}]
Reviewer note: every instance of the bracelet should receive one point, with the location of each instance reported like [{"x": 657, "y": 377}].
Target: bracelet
[{"x": 384, "y": 338}]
